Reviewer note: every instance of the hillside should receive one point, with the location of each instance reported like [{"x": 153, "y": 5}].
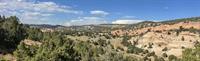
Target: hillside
[
  {"x": 145, "y": 26},
  {"x": 176, "y": 40},
  {"x": 169, "y": 37}
]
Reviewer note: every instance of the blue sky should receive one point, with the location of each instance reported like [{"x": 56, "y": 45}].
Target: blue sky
[{"x": 84, "y": 12}]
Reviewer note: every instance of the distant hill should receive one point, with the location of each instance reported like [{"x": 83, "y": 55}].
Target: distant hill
[
  {"x": 193, "y": 19},
  {"x": 110, "y": 27},
  {"x": 43, "y": 26}
]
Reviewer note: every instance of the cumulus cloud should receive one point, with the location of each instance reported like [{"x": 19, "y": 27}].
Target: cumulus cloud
[
  {"x": 99, "y": 13},
  {"x": 126, "y": 21},
  {"x": 98, "y": 17},
  {"x": 86, "y": 21},
  {"x": 39, "y": 6},
  {"x": 35, "y": 17},
  {"x": 33, "y": 12}
]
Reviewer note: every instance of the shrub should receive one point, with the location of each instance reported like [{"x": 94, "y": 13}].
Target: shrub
[
  {"x": 159, "y": 59},
  {"x": 168, "y": 33},
  {"x": 150, "y": 45},
  {"x": 183, "y": 39},
  {"x": 164, "y": 55},
  {"x": 172, "y": 58},
  {"x": 165, "y": 49},
  {"x": 145, "y": 51},
  {"x": 145, "y": 58},
  {"x": 191, "y": 54},
  {"x": 133, "y": 49},
  {"x": 125, "y": 40},
  {"x": 151, "y": 54},
  {"x": 11, "y": 33}
]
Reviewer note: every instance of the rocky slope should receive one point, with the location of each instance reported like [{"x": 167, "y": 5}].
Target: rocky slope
[
  {"x": 164, "y": 27},
  {"x": 171, "y": 39}
]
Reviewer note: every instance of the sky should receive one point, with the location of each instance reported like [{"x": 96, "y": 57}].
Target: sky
[{"x": 85, "y": 12}]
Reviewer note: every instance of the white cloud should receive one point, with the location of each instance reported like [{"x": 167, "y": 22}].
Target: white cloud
[
  {"x": 128, "y": 16},
  {"x": 40, "y": 7},
  {"x": 30, "y": 14},
  {"x": 19, "y": 0},
  {"x": 99, "y": 13},
  {"x": 33, "y": 12},
  {"x": 126, "y": 21},
  {"x": 86, "y": 21},
  {"x": 35, "y": 18},
  {"x": 98, "y": 17}
]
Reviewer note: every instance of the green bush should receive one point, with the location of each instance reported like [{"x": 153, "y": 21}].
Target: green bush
[
  {"x": 191, "y": 54},
  {"x": 11, "y": 33},
  {"x": 165, "y": 49},
  {"x": 172, "y": 58},
  {"x": 151, "y": 54},
  {"x": 159, "y": 59},
  {"x": 125, "y": 40},
  {"x": 134, "y": 49},
  {"x": 145, "y": 51},
  {"x": 34, "y": 34},
  {"x": 164, "y": 55}
]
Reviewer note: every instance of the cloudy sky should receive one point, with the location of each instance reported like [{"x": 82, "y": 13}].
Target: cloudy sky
[{"x": 84, "y": 12}]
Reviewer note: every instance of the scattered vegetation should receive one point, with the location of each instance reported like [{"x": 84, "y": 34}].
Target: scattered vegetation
[
  {"x": 65, "y": 45},
  {"x": 192, "y": 54}
]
